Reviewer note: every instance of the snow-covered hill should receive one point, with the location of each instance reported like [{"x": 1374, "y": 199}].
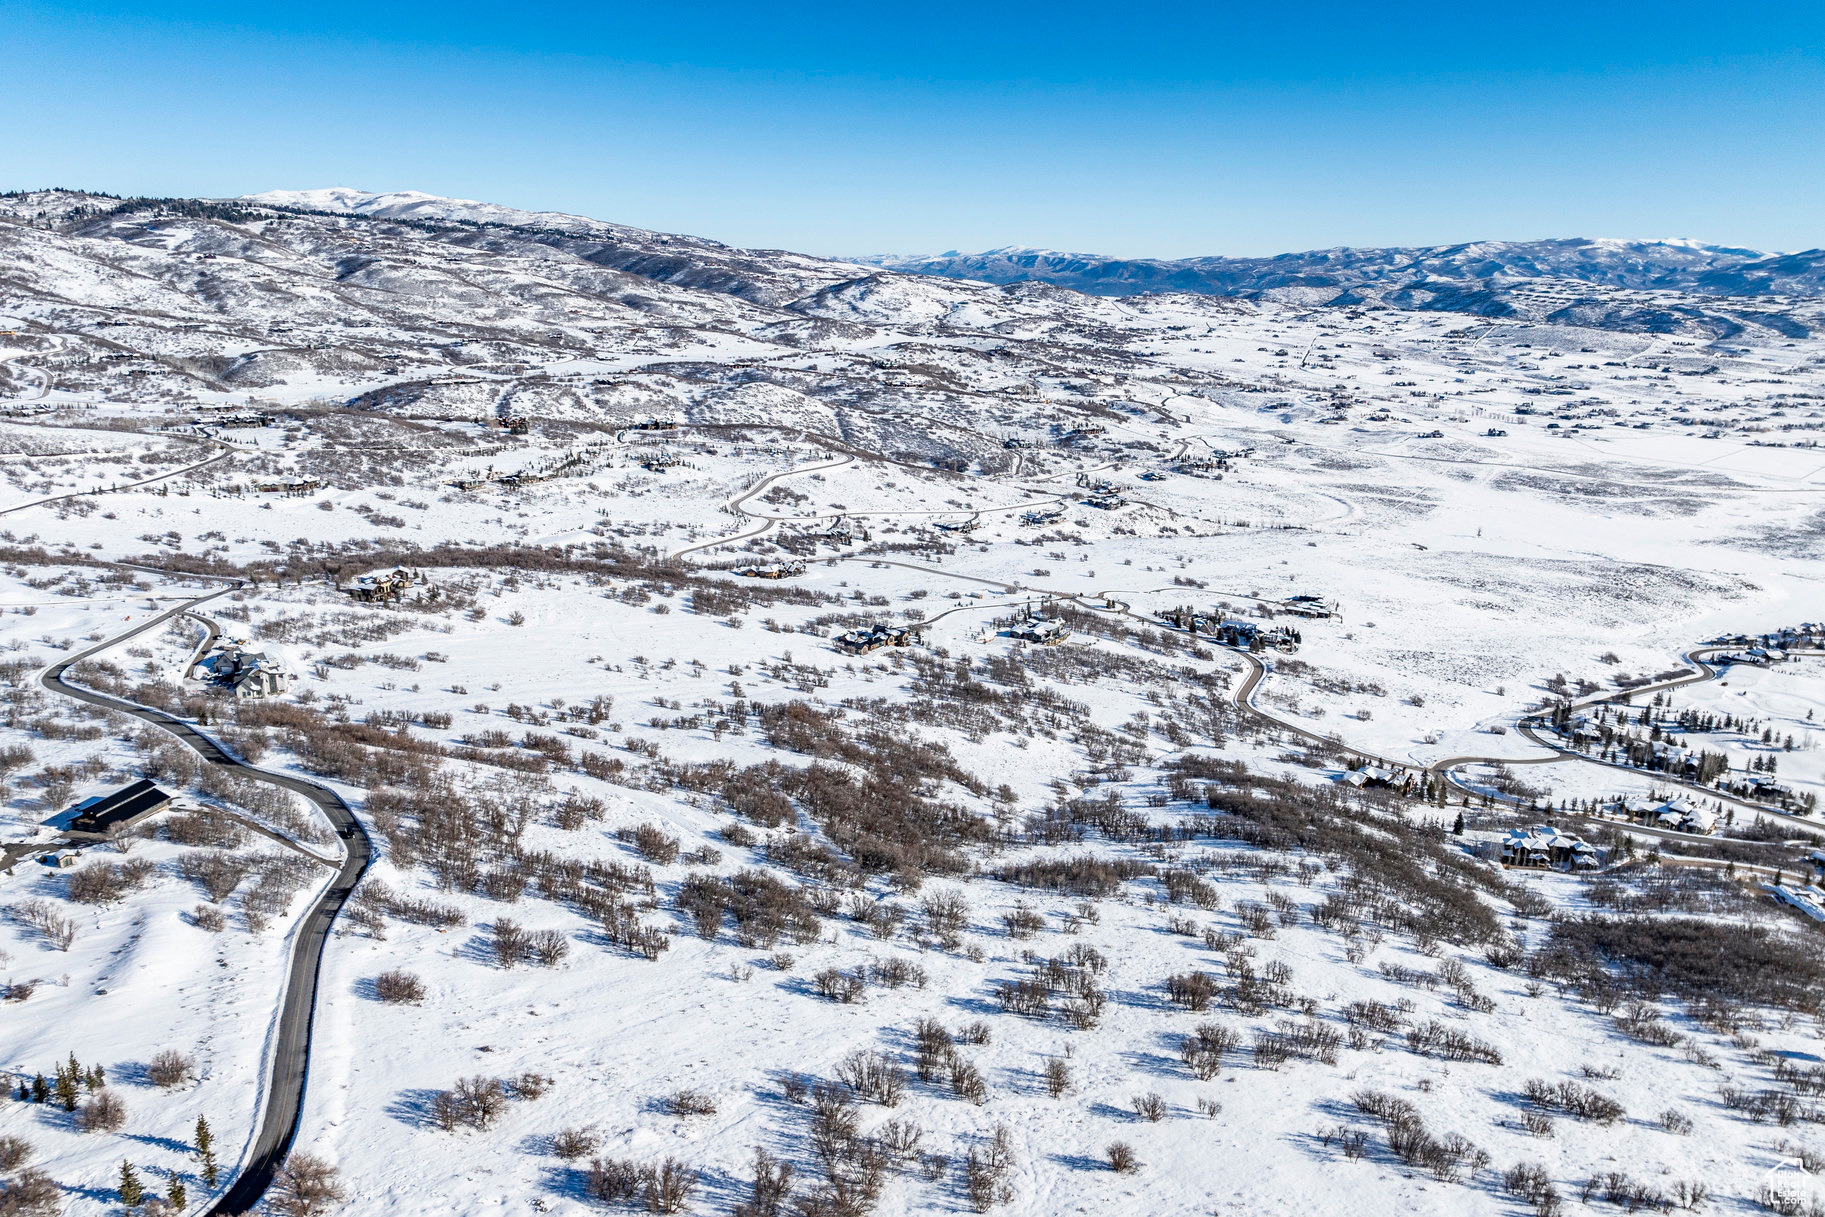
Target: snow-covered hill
[{"x": 989, "y": 746}]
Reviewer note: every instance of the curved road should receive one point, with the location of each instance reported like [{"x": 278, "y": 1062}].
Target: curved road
[{"x": 291, "y": 1055}]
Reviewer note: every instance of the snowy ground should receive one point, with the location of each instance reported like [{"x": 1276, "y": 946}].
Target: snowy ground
[{"x": 1634, "y": 512}]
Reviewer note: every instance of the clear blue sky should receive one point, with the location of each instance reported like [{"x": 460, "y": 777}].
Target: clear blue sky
[{"x": 1129, "y": 129}]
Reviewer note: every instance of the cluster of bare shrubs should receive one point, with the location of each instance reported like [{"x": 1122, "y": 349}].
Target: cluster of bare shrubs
[
  {"x": 764, "y": 908},
  {"x": 42, "y": 915},
  {"x": 1575, "y": 1100},
  {"x": 513, "y": 944},
  {"x": 854, "y": 1166},
  {"x": 1448, "y": 1158},
  {"x": 837, "y": 985},
  {"x": 1308, "y": 1040},
  {"x": 1530, "y": 1181},
  {"x": 1072, "y": 978},
  {"x": 217, "y": 873},
  {"x": 937, "y": 1060},
  {"x": 652, "y": 843},
  {"x": 689, "y": 1103},
  {"x": 106, "y": 882},
  {"x": 479, "y": 1101},
  {"x": 1204, "y": 1049},
  {"x": 1435, "y": 1038}
]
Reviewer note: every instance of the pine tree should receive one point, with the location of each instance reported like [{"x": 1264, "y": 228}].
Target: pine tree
[
  {"x": 131, "y": 1193},
  {"x": 176, "y": 1194},
  {"x": 1457, "y": 829},
  {"x": 41, "y": 1090},
  {"x": 205, "y": 1148}
]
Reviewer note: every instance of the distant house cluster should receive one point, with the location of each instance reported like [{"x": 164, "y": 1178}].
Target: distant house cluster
[
  {"x": 1042, "y": 516},
  {"x": 1761, "y": 650},
  {"x": 1376, "y": 777},
  {"x": 289, "y": 486},
  {"x": 1231, "y": 632},
  {"x": 874, "y": 637}
]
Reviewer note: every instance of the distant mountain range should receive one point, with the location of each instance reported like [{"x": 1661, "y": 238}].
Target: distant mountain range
[{"x": 1682, "y": 266}]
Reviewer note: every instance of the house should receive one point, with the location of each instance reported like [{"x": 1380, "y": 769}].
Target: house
[
  {"x": 771, "y": 570},
  {"x": 1105, "y": 502},
  {"x": 1545, "y": 847},
  {"x": 1374, "y": 776},
  {"x": 105, "y": 815},
  {"x": 254, "y": 674},
  {"x": 1035, "y": 519},
  {"x": 874, "y": 637},
  {"x": 62, "y": 859},
  {"x": 1309, "y": 606},
  {"x": 289, "y": 486},
  {"x": 386, "y": 585},
  {"x": 1041, "y": 631},
  {"x": 969, "y": 525}
]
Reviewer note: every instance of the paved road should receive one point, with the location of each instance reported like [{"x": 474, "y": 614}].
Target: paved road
[
  {"x": 285, "y": 1095},
  {"x": 157, "y": 477}
]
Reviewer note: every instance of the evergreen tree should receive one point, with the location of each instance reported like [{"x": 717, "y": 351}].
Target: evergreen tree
[
  {"x": 41, "y": 1090},
  {"x": 205, "y": 1148},
  {"x": 176, "y": 1194},
  {"x": 1457, "y": 829},
  {"x": 131, "y": 1193}
]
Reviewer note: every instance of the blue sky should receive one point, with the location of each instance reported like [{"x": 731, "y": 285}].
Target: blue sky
[{"x": 1143, "y": 129}]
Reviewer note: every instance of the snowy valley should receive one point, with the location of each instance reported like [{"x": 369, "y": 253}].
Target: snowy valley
[{"x": 763, "y": 734}]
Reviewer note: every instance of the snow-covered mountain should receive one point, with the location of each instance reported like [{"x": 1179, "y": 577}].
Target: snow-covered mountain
[{"x": 1478, "y": 276}]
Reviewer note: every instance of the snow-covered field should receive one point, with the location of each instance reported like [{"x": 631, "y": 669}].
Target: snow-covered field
[{"x": 577, "y": 719}]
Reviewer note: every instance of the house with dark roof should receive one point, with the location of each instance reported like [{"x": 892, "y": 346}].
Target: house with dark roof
[{"x": 108, "y": 814}]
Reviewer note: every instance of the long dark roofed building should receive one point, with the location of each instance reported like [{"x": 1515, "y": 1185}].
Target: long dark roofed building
[{"x": 109, "y": 813}]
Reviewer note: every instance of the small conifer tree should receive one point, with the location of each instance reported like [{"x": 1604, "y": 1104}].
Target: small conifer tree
[{"x": 131, "y": 1193}]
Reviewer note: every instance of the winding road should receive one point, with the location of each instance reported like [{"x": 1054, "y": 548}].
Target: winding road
[{"x": 284, "y": 1105}]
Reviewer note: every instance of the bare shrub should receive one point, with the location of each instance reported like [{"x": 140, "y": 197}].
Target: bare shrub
[
  {"x": 104, "y": 883},
  {"x": 15, "y": 1152},
  {"x": 873, "y": 1076},
  {"x": 1121, "y": 1158},
  {"x": 208, "y": 917},
  {"x": 399, "y": 987},
  {"x": 547, "y": 947},
  {"x": 102, "y": 1112},
  {"x": 1574, "y": 1100},
  {"x": 31, "y": 1193},
  {"x": 1676, "y": 1121},
  {"x": 669, "y": 1187},
  {"x": 652, "y": 843},
  {"x": 481, "y": 1100},
  {"x": 170, "y": 1068},
  {"x": 1203, "y": 1050},
  {"x": 986, "y": 1171},
  {"x": 42, "y": 915},
  {"x": 689, "y": 1103},
  {"x": 531, "y": 1086},
  {"x": 613, "y": 1180},
  {"x": 967, "y": 1081},
  {"x": 307, "y": 1186},
  {"x": 510, "y": 942},
  {"x": 1058, "y": 1077},
  {"x": 1192, "y": 990},
  {"x": 1150, "y": 1107},
  {"x": 840, "y": 986},
  {"x": 572, "y": 1143},
  {"x": 1537, "y": 1123}
]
